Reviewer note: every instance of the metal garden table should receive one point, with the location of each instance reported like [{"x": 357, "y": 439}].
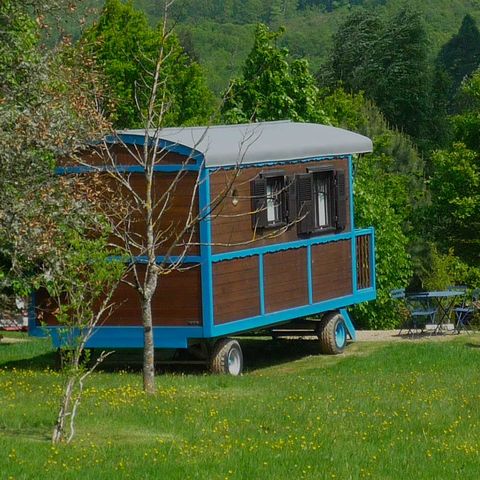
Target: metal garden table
[{"x": 444, "y": 301}]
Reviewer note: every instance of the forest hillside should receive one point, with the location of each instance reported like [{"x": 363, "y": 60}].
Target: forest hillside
[{"x": 219, "y": 33}]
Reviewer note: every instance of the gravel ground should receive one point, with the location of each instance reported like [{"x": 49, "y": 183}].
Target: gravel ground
[{"x": 393, "y": 336}]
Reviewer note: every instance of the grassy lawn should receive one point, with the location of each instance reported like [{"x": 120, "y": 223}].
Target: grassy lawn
[{"x": 404, "y": 410}]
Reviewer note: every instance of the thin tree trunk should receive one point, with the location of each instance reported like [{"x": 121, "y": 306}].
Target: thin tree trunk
[
  {"x": 148, "y": 347},
  {"x": 59, "y": 429}
]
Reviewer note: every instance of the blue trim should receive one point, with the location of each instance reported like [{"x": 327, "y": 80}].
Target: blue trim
[
  {"x": 309, "y": 274},
  {"x": 128, "y": 337},
  {"x": 279, "y": 247},
  {"x": 124, "y": 169},
  {"x": 352, "y": 226},
  {"x": 348, "y": 323},
  {"x": 274, "y": 163},
  {"x": 373, "y": 261},
  {"x": 261, "y": 321},
  {"x": 206, "y": 253},
  {"x": 261, "y": 284},
  {"x": 163, "y": 144}
]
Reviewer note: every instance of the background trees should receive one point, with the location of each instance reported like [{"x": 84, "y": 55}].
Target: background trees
[
  {"x": 455, "y": 183},
  {"x": 272, "y": 86},
  {"x": 460, "y": 56},
  {"x": 386, "y": 57},
  {"x": 123, "y": 45}
]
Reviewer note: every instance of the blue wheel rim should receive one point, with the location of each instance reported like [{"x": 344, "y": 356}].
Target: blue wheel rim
[{"x": 340, "y": 335}]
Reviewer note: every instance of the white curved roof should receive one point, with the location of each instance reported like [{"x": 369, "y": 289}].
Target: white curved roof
[{"x": 227, "y": 145}]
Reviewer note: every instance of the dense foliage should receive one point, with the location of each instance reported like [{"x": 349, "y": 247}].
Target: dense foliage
[
  {"x": 47, "y": 111},
  {"x": 221, "y": 30},
  {"x": 386, "y": 57},
  {"x": 455, "y": 184},
  {"x": 126, "y": 49},
  {"x": 460, "y": 56},
  {"x": 272, "y": 87}
]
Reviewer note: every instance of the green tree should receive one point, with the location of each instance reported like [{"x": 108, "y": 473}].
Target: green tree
[
  {"x": 272, "y": 87},
  {"x": 455, "y": 181},
  {"x": 455, "y": 211},
  {"x": 124, "y": 46},
  {"x": 387, "y": 59},
  {"x": 466, "y": 125},
  {"x": 51, "y": 234},
  {"x": 460, "y": 56}
]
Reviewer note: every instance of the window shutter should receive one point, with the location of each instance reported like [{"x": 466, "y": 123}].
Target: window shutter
[
  {"x": 341, "y": 200},
  {"x": 258, "y": 188},
  {"x": 304, "y": 187},
  {"x": 292, "y": 200}
]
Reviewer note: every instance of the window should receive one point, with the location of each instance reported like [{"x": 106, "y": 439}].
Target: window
[
  {"x": 323, "y": 200},
  {"x": 315, "y": 201},
  {"x": 268, "y": 200},
  {"x": 275, "y": 186},
  {"x": 320, "y": 201}
]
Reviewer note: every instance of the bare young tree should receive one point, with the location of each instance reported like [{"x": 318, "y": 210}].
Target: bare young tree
[{"x": 146, "y": 229}]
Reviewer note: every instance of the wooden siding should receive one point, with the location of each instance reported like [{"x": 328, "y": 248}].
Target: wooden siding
[
  {"x": 236, "y": 290},
  {"x": 177, "y": 301},
  {"x": 232, "y": 224},
  {"x": 285, "y": 280},
  {"x": 174, "y": 217},
  {"x": 126, "y": 156},
  {"x": 331, "y": 270}
]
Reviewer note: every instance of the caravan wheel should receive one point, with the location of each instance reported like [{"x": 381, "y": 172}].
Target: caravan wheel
[
  {"x": 227, "y": 357},
  {"x": 332, "y": 334}
]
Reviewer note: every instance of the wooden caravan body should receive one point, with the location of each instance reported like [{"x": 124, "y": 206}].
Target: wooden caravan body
[{"x": 280, "y": 246}]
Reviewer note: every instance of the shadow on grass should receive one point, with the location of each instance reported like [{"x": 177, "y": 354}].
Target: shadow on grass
[
  {"x": 472, "y": 345},
  {"x": 39, "y": 362},
  {"x": 258, "y": 353}
]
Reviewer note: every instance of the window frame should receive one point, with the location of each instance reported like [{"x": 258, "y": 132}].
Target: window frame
[
  {"x": 330, "y": 173},
  {"x": 262, "y": 202}
]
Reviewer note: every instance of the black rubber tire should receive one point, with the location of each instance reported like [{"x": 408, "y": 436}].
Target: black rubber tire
[
  {"x": 223, "y": 351},
  {"x": 326, "y": 334}
]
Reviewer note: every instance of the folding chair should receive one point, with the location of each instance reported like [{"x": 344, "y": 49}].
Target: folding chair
[
  {"x": 464, "y": 314},
  {"x": 422, "y": 312}
]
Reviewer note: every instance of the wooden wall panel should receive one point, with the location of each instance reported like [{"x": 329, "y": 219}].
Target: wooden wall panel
[
  {"x": 126, "y": 156},
  {"x": 236, "y": 289},
  {"x": 331, "y": 270},
  {"x": 177, "y": 301},
  {"x": 285, "y": 276},
  {"x": 232, "y": 224},
  {"x": 172, "y": 211}
]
